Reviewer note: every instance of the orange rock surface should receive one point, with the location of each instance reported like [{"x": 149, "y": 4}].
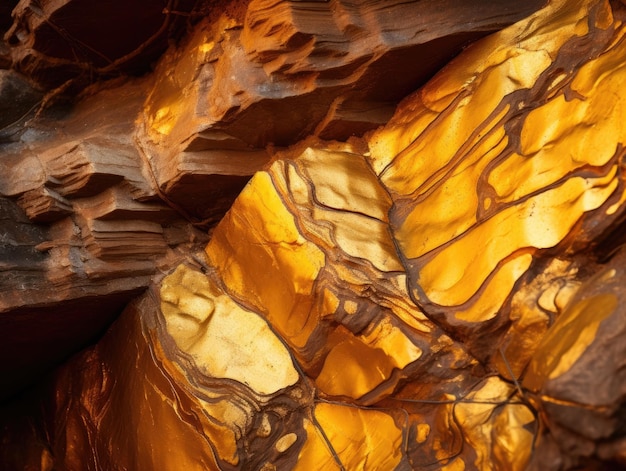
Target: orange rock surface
[{"x": 444, "y": 292}]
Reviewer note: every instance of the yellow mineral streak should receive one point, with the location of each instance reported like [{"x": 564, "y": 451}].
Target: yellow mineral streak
[
  {"x": 345, "y": 193},
  {"x": 453, "y": 192},
  {"x": 225, "y": 340},
  {"x": 353, "y": 369},
  {"x": 315, "y": 453},
  {"x": 391, "y": 340},
  {"x": 362, "y": 237},
  {"x": 363, "y": 439},
  {"x": 344, "y": 181},
  {"x": 285, "y": 442},
  {"x": 587, "y": 131},
  {"x": 465, "y": 93},
  {"x": 330, "y": 303},
  {"x": 357, "y": 365},
  {"x": 568, "y": 339},
  {"x": 449, "y": 139},
  {"x": 422, "y": 432},
  {"x": 350, "y": 307},
  {"x": 496, "y": 291},
  {"x": 460, "y": 128}
]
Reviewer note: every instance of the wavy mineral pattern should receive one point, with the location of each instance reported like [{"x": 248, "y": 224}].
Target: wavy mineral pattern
[{"x": 341, "y": 235}]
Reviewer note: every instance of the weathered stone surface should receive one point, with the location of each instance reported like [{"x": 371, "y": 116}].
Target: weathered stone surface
[
  {"x": 18, "y": 101},
  {"x": 497, "y": 171},
  {"x": 316, "y": 258},
  {"x": 442, "y": 293},
  {"x": 55, "y": 41},
  {"x": 277, "y": 71},
  {"x": 100, "y": 231}
]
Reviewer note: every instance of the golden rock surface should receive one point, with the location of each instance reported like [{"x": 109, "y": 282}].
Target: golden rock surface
[
  {"x": 207, "y": 325},
  {"x": 445, "y": 293},
  {"x": 101, "y": 192}
]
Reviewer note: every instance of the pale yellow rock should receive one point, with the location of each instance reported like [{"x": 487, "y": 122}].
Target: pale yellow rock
[
  {"x": 275, "y": 269},
  {"x": 225, "y": 340},
  {"x": 285, "y": 442}
]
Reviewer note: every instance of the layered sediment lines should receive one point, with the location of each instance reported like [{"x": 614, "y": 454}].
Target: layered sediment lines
[{"x": 444, "y": 292}]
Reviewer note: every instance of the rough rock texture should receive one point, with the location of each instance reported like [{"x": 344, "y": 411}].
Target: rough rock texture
[
  {"x": 55, "y": 41},
  {"x": 332, "y": 69},
  {"x": 442, "y": 292},
  {"x": 121, "y": 184},
  {"x": 85, "y": 229}
]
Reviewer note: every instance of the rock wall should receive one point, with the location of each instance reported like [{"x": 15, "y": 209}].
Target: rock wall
[{"x": 344, "y": 235}]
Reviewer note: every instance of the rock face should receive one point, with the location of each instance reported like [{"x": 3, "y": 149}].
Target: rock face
[
  {"x": 332, "y": 69},
  {"x": 117, "y": 187},
  {"x": 87, "y": 229},
  {"x": 313, "y": 276},
  {"x": 55, "y": 41}
]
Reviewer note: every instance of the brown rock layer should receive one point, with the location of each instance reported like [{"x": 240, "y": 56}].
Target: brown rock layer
[
  {"x": 84, "y": 223},
  {"x": 117, "y": 184},
  {"x": 53, "y": 42},
  {"x": 239, "y": 84},
  {"x": 442, "y": 293}
]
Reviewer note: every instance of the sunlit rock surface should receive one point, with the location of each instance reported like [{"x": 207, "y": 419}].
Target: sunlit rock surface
[
  {"x": 103, "y": 195},
  {"x": 445, "y": 292},
  {"x": 276, "y": 71}
]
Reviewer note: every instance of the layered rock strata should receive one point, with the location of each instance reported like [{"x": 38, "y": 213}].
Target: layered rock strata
[
  {"x": 107, "y": 193},
  {"x": 84, "y": 231},
  {"x": 269, "y": 75},
  {"x": 443, "y": 293}
]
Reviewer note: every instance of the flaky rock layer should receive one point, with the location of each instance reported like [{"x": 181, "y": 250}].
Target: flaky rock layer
[{"x": 445, "y": 292}]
